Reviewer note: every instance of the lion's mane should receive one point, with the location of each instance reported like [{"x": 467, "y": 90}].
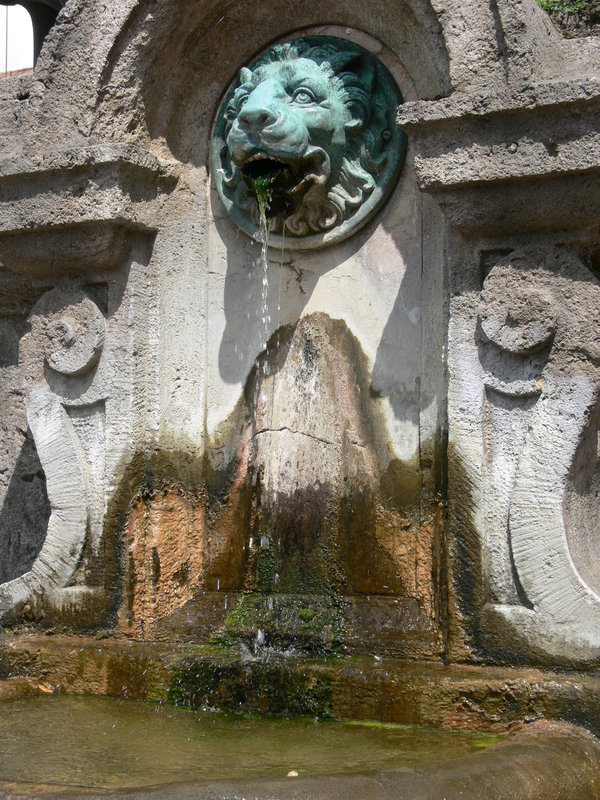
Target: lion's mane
[{"x": 356, "y": 78}]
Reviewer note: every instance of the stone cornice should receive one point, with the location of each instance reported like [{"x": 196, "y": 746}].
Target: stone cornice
[
  {"x": 473, "y": 152},
  {"x": 72, "y": 209}
]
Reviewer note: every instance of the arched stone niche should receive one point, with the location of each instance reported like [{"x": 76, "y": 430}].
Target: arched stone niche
[
  {"x": 311, "y": 377},
  {"x": 396, "y": 229},
  {"x": 182, "y": 56},
  {"x": 313, "y": 388}
]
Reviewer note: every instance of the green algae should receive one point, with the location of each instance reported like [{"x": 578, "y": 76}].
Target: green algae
[
  {"x": 273, "y": 688},
  {"x": 484, "y": 739},
  {"x": 262, "y": 189},
  {"x": 309, "y": 624}
]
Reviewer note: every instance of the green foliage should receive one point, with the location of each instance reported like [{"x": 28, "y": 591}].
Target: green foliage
[
  {"x": 262, "y": 188},
  {"x": 575, "y": 7}
]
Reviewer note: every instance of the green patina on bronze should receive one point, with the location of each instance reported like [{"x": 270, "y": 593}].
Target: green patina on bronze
[{"x": 309, "y": 134}]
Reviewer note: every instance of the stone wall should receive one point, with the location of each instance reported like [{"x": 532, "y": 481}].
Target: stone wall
[{"x": 396, "y": 436}]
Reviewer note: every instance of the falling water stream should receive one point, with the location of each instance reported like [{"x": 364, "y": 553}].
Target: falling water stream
[
  {"x": 264, "y": 297},
  {"x": 262, "y": 190}
]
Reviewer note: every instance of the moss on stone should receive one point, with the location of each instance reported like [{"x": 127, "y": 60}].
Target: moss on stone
[
  {"x": 312, "y": 624},
  {"x": 257, "y": 686}
]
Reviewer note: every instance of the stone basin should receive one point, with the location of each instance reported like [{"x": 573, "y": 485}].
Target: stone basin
[
  {"x": 538, "y": 758},
  {"x": 543, "y": 761},
  {"x": 99, "y": 743}
]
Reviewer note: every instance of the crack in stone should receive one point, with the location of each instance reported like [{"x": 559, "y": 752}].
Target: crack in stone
[{"x": 299, "y": 433}]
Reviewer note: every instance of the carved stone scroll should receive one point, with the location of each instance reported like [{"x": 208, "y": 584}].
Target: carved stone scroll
[
  {"x": 539, "y": 316},
  {"x": 56, "y": 359}
]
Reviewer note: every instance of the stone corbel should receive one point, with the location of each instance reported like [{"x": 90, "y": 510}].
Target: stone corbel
[{"x": 60, "y": 355}]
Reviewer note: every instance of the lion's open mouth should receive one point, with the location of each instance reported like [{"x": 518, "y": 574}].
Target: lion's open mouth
[{"x": 280, "y": 183}]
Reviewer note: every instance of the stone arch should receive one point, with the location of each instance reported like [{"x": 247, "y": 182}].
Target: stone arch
[
  {"x": 138, "y": 72},
  {"x": 182, "y": 56},
  {"x": 43, "y": 15}
]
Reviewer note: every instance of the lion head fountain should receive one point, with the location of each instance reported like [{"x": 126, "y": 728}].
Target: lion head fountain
[{"x": 311, "y": 125}]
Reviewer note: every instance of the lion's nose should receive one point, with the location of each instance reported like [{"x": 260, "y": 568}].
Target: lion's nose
[{"x": 256, "y": 118}]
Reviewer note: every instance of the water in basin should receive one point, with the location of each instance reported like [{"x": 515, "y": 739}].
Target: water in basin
[{"x": 102, "y": 742}]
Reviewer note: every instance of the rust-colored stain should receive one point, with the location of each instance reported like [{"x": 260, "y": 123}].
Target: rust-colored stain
[{"x": 165, "y": 558}]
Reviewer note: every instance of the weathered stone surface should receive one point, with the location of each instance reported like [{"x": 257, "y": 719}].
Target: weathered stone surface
[
  {"x": 499, "y": 162},
  {"x": 389, "y": 690},
  {"x": 16, "y": 688},
  {"x": 221, "y": 428},
  {"x": 535, "y": 343}
]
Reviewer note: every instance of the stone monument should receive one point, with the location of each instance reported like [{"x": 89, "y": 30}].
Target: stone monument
[{"x": 376, "y": 432}]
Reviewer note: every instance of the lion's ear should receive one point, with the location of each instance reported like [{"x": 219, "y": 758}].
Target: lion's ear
[
  {"x": 361, "y": 64},
  {"x": 244, "y": 75}
]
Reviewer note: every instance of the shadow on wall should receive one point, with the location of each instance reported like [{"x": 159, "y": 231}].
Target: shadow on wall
[
  {"x": 24, "y": 514},
  {"x": 252, "y": 317}
]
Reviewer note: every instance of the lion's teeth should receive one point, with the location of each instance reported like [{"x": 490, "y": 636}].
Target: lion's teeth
[{"x": 263, "y": 157}]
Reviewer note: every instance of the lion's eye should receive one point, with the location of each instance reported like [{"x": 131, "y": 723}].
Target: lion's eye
[
  {"x": 241, "y": 100},
  {"x": 303, "y": 96}
]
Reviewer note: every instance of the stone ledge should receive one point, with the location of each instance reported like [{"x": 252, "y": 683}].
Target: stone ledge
[
  {"x": 387, "y": 625},
  {"x": 477, "y": 106},
  {"x": 92, "y": 156},
  {"x": 418, "y": 693},
  {"x": 72, "y": 187},
  {"x": 72, "y": 211},
  {"x": 92, "y": 247}
]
